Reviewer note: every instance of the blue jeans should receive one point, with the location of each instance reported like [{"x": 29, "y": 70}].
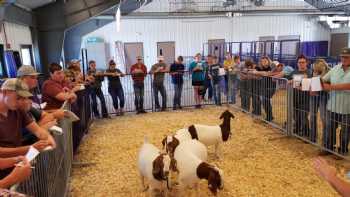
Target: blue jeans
[
  {"x": 217, "y": 93},
  {"x": 317, "y": 102},
  {"x": 117, "y": 94},
  {"x": 139, "y": 90},
  {"x": 232, "y": 88},
  {"x": 208, "y": 86},
  {"x": 245, "y": 92},
  {"x": 177, "y": 94},
  {"x": 94, "y": 93},
  {"x": 159, "y": 88},
  {"x": 333, "y": 120}
]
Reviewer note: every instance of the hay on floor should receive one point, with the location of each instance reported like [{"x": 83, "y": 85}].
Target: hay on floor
[{"x": 257, "y": 161}]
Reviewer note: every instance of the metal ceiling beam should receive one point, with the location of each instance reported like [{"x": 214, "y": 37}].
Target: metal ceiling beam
[{"x": 323, "y": 5}]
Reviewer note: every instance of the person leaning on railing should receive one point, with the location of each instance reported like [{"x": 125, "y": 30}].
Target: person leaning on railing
[
  {"x": 318, "y": 101},
  {"x": 95, "y": 79},
  {"x": 29, "y": 76},
  {"x": 115, "y": 88},
  {"x": 13, "y": 119},
  {"x": 138, "y": 73},
  {"x": 208, "y": 86},
  {"x": 158, "y": 70},
  {"x": 177, "y": 70},
  {"x": 55, "y": 91},
  {"x": 301, "y": 99},
  {"x": 337, "y": 82},
  {"x": 267, "y": 85},
  {"x": 246, "y": 84},
  {"x": 197, "y": 70}
]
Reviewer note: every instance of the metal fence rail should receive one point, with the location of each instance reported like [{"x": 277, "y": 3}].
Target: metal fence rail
[{"x": 52, "y": 168}]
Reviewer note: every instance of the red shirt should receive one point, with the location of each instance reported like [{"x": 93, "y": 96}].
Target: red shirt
[
  {"x": 50, "y": 90},
  {"x": 10, "y": 128},
  {"x": 138, "y": 77}
]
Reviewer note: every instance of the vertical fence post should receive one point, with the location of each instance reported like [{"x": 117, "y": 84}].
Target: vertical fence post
[{"x": 289, "y": 123}]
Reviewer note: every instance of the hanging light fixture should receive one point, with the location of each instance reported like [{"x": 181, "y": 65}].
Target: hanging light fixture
[{"x": 117, "y": 18}]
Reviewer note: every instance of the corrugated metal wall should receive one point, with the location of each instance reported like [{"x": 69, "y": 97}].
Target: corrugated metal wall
[
  {"x": 16, "y": 35},
  {"x": 190, "y": 34}
]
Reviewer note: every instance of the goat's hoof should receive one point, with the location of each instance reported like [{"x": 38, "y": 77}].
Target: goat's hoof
[{"x": 145, "y": 189}]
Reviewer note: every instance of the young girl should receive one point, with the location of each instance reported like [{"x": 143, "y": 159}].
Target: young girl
[
  {"x": 115, "y": 87},
  {"x": 196, "y": 68}
]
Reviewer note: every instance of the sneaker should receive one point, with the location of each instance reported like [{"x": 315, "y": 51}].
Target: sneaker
[
  {"x": 107, "y": 116},
  {"x": 174, "y": 108},
  {"x": 179, "y": 107},
  {"x": 163, "y": 109},
  {"x": 143, "y": 112}
]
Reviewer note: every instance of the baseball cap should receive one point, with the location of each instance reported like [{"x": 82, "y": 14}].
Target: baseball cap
[
  {"x": 17, "y": 85},
  {"x": 26, "y": 70},
  {"x": 139, "y": 58},
  {"x": 345, "y": 52}
]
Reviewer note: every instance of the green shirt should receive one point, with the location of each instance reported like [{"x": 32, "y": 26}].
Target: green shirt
[{"x": 339, "y": 100}]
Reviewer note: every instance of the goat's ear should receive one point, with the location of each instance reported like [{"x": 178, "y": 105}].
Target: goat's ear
[{"x": 164, "y": 141}]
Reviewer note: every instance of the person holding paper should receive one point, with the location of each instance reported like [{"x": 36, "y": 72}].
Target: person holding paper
[
  {"x": 18, "y": 174},
  {"x": 337, "y": 83},
  {"x": 207, "y": 88},
  {"x": 301, "y": 99},
  {"x": 158, "y": 70},
  {"x": 13, "y": 119},
  {"x": 215, "y": 77},
  {"x": 197, "y": 70},
  {"x": 231, "y": 68},
  {"x": 115, "y": 88},
  {"x": 318, "y": 101}
]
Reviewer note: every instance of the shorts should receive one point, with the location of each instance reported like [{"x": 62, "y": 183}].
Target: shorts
[{"x": 197, "y": 83}]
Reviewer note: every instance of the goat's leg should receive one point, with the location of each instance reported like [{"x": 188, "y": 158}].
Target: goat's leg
[
  {"x": 217, "y": 151},
  {"x": 196, "y": 189},
  {"x": 144, "y": 187}
]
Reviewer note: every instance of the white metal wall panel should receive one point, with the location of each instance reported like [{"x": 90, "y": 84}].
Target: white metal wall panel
[
  {"x": 190, "y": 34},
  {"x": 16, "y": 35}
]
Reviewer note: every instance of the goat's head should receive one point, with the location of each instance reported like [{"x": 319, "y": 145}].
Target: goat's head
[
  {"x": 215, "y": 179},
  {"x": 161, "y": 167},
  {"x": 169, "y": 144},
  {"x": 227, "y": 115}
]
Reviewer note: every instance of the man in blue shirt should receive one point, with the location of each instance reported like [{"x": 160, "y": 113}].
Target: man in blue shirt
[{"x": 177, "y": 71}]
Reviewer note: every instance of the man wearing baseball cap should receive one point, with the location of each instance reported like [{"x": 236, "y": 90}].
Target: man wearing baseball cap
[
  {"x": 12, "y": 120},
  {"x": 337, "y": 82},
  {"x": 138, "y": 73},
  {"x": 158, "y": 70},
  {"x": 30, "y": 77}
]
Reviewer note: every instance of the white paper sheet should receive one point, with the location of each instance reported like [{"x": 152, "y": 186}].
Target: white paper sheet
[
  {"x": 32, "y": 153},
  {"x": 71, "y": 116},
  {"x": 56, "y": 129},
  {"x": 43, "y": 105},
  {"x": 222, "y": 72},
  {"x": 316, "y": 84},
  {"x": 297, "y": 80},
  {"x": 305, "y": 84},
  {"x": 48, "y": 148},
  {"x": 36, "y": 105}
]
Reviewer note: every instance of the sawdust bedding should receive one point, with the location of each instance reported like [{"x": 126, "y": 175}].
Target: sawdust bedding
[{"x": 257, "y": 161}]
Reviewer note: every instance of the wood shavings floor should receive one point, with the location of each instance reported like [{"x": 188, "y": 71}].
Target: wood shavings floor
[{"x": 258, "y": 160}]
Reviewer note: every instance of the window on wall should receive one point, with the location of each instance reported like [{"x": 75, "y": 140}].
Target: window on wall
[{"x": 27, "y": 55}]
